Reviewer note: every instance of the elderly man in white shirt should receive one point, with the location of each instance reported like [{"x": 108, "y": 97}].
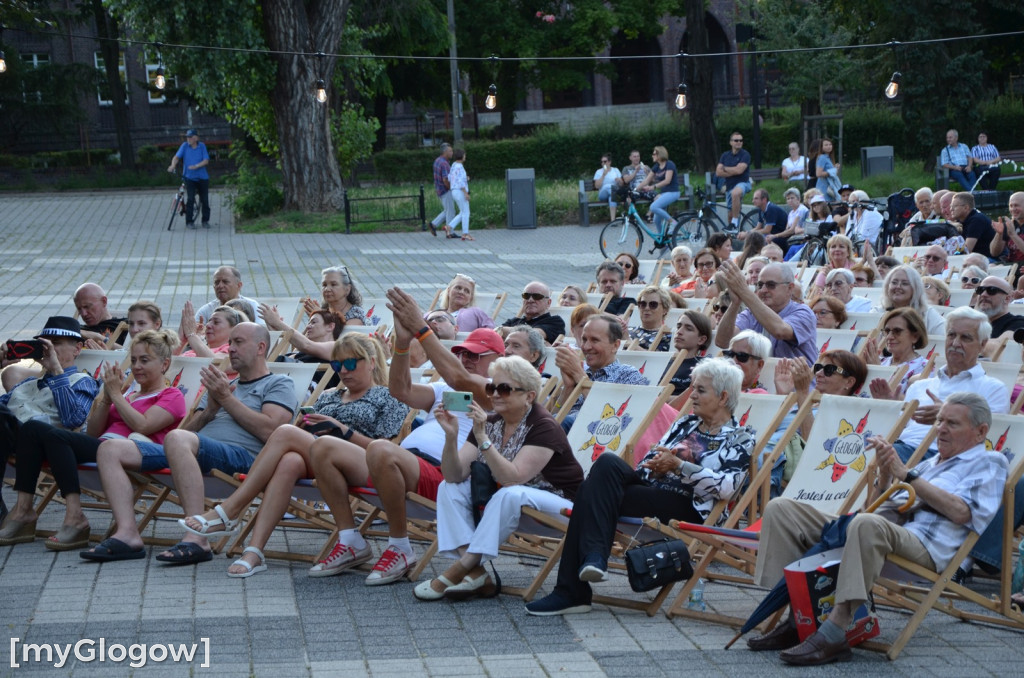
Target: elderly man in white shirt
[
  {"x": 967, "y": 331},
  {"x": 839, "y": 283}
]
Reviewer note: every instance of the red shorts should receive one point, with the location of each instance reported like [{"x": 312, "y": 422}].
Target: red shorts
[{"x": 430, "y": 478}]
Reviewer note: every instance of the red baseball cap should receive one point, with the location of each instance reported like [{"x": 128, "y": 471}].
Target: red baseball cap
[{"x": 482, "y": 340}]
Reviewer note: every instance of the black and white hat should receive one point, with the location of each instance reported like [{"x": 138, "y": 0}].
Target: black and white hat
[{"x": 61, "y": 326}]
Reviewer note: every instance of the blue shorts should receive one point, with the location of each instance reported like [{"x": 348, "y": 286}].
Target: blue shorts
[
  {"x": 745, "y": 185},
  {"x": 212, "y": 455}
]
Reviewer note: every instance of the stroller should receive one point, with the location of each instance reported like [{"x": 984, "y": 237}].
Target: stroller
[{"x": 899, "y": 208}]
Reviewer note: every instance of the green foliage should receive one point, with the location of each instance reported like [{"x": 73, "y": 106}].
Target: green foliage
[
  {"x": 1001, "y": 120},
  {"x": 257, "y": 190},
  {"x": 352, "y": 135}
]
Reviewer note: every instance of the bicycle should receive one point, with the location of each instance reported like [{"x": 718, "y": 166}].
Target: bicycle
[
  {"x": 700, "y": 223},
  {"x": 626, "y": 234},
  {"x": 177, "y": 205}
]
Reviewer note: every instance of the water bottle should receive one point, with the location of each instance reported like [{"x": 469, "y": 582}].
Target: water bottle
[{"x": 696, "y": 601}]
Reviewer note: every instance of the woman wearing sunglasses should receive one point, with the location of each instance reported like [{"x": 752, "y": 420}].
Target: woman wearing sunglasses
[
  {"x": 652, "y": 304},
  {"x": 458, "y": 299},
  {"x": 903, "y": 288},
  {"x": 703, "y": 458},
  {"x": 329, "y": 443},
  {"x": 631, "y": 266},
  {"x": 529, "y": 457},
  {"x": 903, "y": 335},
  {"x": 970, "y": 278},
  {"x": 748, "y": 350},
  {"x": 836, "y": 373}
]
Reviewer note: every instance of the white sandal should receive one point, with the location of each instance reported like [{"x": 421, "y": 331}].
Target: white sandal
[
  {"x": 228, "y": 526},
  {"x": 250, "y": 569}
]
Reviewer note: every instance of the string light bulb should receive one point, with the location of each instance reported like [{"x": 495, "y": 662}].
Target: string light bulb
[
  {"x": 161, "y": 81},
  {"x": 491, "y": 102},
  {"x": 681, "y": 96},
  {"x": 892, "y": 90},
  {"x": 321, "y": 91},
  {"x": 3, "y": 62}
]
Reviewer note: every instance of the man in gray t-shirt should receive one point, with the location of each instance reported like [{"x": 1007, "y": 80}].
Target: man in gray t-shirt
[{"x": 231, "y": 423}]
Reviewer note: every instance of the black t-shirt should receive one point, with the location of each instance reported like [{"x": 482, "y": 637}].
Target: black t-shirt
[
  {"x": 977, "y": 225},
  {"x": 619, "y": 305},
  {"x": 106, "y": 327},
  {"x": 1008, "y": 322},
  {"x": 551, "y": 325}
]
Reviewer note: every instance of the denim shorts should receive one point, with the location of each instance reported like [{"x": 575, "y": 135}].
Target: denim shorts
[
  {"x": 212, "y": 455},
  {"x": 745, "y": 185}
]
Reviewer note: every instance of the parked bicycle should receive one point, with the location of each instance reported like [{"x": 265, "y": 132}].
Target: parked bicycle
[
  {"x": 697, "y": 226},
  {"x": 626, "y": 234},
  {"x": 177, "y": 205}
]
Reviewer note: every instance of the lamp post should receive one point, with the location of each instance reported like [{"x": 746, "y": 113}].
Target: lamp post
[{"x": 453, "y": 65}]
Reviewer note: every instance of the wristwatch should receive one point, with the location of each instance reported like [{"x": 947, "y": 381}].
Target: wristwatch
[
  {"x": 911, "y": 476},
  {"x": 485, "y": 445}
]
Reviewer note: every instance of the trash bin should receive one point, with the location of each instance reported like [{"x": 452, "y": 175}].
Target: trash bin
[
  {"x": 521, "y": 195},
  {"x": 875, "y": 160}
]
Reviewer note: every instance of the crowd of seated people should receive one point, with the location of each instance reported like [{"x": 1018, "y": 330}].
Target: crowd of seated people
[{"x": 752, "y": 309}]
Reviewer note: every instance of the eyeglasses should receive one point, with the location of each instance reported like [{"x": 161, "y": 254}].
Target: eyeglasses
[
  {"x": 821, "y": 313},
  {"x": 470, "y": 357},
  {"x": 705, "y": 264},
  {"x": 990, "y": 290},
  {"x": 830, "y": 370},
  {"x": 740, "y": 356},
  {"x": 502, "y": 389},
  {"x": 896, "y": 331},
  {"x": 835, "y": 283},
  {"x": 348, "y": 363},
  {"x": 439, "y": 319},
  {"x": 974, "y": 281},
  {"x": 862, "y": 280},
  {"x": 648, "y": 304},
  {"x": 536, "y": 296},
  {"x": 934, "y": 257},
  {"x": 770, "y": 284}
]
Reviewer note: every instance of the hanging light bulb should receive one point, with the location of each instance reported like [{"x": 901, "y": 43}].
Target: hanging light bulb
[
  {"x": 681, "y": 96},
  {"x": 893, "y": 88},
  {"x": 3, "y": 62},
  {"x": 491, "y": 102},
  {"x": 321, "y": 91},
  {"x": 161, "y": 81}
]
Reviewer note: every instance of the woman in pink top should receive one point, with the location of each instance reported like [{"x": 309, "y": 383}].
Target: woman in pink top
[{"x": 151, "y": 410}]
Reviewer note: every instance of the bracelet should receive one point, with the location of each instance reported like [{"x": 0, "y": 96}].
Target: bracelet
[
  {"x": 422, "y": 332},
  {"x": 347, "y": 435},
  {"x": 399, "y": 351},
  {"x": 421, "y": 337}
]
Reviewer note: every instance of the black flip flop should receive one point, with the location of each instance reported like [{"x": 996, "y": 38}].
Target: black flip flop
[
  {"x": 433, "y": 229},
  {"x": 186, "y": 553},
  {"x": 111, "y": 549}
]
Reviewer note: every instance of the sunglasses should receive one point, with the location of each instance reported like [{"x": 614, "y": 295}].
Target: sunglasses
[
  {"x": 990, "y": 290},
  {"x": 503, "y": 389},
  {"x": 974, "y": 281},
  {"x": 536, "y": 296},
  {"x": 830, "y": 370},
  {"x": 648, "y": 304},
  {"x": 740, "y": 356},
  {"x": 770, "y": 284},
  {"x": 736, "y": 141},
  {"x": 625, "y": 264},
  {"x": 934, "y": 257},
  {"x": 470, "y": 357},
  {"x": 720, "y": 307},
  {"x": 348, "y": 363},
  {"x": 705, "y": 264}
]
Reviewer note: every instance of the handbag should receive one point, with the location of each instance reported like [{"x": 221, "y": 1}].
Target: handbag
[
  {"x": 657, "y": 563},
  {"x": 482, "y": 487}
]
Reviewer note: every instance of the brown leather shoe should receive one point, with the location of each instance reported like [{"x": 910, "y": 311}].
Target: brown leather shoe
[
  {"x": 782, "y": 637},
  {"x": 816, "y": 651}
]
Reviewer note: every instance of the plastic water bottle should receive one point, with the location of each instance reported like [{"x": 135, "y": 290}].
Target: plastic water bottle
[{"x": 696, "y": 601}]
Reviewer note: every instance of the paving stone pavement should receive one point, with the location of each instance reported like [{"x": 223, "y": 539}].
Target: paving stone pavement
[{"x": 281, "y": 623}]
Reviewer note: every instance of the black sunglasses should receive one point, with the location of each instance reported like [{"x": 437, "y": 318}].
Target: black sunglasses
[
  {"x": 348, "y": 363},
  {"x": 830, "y": 370},
  {"x": 536, "y": 296},
  {"x": 740, "y": 356},
  {"x": 648, "y": 304},
  {"x": 502, "y": 389},
  {"x": 720, "y": 307},
  {"x": 990, "y": 290}
]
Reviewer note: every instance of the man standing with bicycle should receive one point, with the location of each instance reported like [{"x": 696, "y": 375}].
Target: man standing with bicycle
[{"x": 195, "y": 158}]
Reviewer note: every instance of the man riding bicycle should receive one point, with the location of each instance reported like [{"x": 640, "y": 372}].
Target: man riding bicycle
[{"x": 195, "y": 159}]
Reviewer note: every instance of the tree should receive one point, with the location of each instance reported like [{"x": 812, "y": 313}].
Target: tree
[
  {"x": 701, "y": 92},
  {"x": 272, "y": 96},
  {"x": 108, "y": 31}
]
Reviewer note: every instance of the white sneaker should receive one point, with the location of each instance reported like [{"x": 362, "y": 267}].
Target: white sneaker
[
  {"x": 341, "y": 558},
  {"x": 392, "y": 565}
]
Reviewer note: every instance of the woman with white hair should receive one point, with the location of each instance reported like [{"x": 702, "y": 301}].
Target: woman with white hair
[
  {"x": 528, "y": 456},
  {"x": 903, "y": 287},
  {"x": 682, "y": 267},
  {"x": 748, "y": 350},
  {"x": 864, "y": 224},
  {"x": 703, "y": 458},
  {"x": 839, "y": 283}
]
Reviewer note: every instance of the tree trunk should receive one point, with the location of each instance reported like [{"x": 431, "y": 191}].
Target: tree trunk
[
  {"x": 380, "y": 111},
  {"x": 309, "y": 167},
  {"x": 700, "y": 92},
  {"x": 107, "y": 29}
]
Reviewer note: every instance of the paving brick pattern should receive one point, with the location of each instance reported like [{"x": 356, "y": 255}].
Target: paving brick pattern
[{"x": 281, "y": 623}]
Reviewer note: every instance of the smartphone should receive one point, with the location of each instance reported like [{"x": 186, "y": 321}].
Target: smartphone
[
  {"x": 24, "y": 349},
  {"x": 307, "y": 409},
  {"x": 456, "y": 401}
]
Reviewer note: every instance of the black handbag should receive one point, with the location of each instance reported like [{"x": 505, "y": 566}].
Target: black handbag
[
  {"x": 657, "y": 563},
  {"x": 482, "y": 487}
]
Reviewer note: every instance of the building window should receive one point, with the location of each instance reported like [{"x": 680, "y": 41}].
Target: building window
[
  {"x": 34, "y": 61},
  {"x": 103, "y": 91}
]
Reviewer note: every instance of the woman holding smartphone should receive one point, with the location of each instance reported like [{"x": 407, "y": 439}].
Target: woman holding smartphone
[{"x": 343, "y": 422}]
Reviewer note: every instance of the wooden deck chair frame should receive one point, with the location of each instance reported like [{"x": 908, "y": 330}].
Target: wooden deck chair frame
[
  {"x": 741, "y": 555},
  {"x": 941, "y": 593}
]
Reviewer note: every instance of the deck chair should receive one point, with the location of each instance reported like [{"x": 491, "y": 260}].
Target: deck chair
[
  {"x": 862, "y": 322},
  {"x": 303, "y": 375},
  {"x": 939, "y": 592},
  {"x": 377, "y": 313},
  {"x": 489, "y": 302},
  {"x": 658, "y": 366},
  {"x": 650, "y": 270},
  {"x": 831, "y": 475},
  {"x": 91, "y": 361},
  {"x": 288, "y": 308},
  {"x": 891, "y": 373},
  {"x": 831, "y": 340}
]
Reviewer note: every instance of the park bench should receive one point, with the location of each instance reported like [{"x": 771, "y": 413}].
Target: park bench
[
  {"x": 1009, "y": 173},
  {"x": 586, "y": 190}
]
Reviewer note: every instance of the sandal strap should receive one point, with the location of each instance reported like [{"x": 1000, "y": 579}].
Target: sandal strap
[
  {"x": 253, "y": 549},
  {"x": 248, "y": 567},
  {"x": 225, "y": 521}
]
